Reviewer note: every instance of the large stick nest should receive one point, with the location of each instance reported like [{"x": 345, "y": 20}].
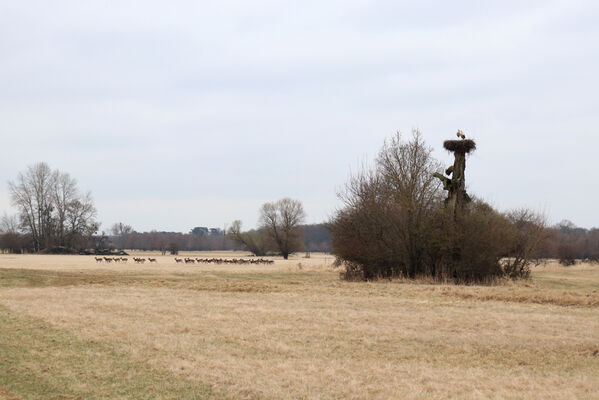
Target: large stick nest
[{"x": 463, "y": 146}]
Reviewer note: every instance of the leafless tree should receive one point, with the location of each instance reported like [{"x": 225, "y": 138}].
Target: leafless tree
[
  {"x": 280, "y": 221},
  {"x": 32, "y": 195},
  {"x": 9, "y": 224},
  {"x": 120, "y": 229},
  {"x": 80, "y": 218},
  {"x": 406, "y": 171},
  {"x": 529, "y": 230},
  {"x": 11, "y": 237},
  {"x": 51, "y": 208},
  {"x": 385, "y": 226},
  {"x": 64, "y": 196},
  {"x": 253, "y": 241}
]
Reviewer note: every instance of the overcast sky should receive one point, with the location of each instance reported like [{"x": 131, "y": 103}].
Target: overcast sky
[{"x": 187, "y": 113}]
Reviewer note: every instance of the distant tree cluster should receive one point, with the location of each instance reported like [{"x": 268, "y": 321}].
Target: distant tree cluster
[
  {"x": 316, "y": 238},
  {"x": 171, "y": 242},
  {"x": 568, "y": 243},
  {"x": 52, "y": 212},
  {"x": 280, "y": 229},
  {"x": 12, "y": 239},
  {"x": 395, "y": 223},
  {"x": 253, "y": 241},
  {"x": 203, "y": 230},
  {"x": 123, "y": 236}
]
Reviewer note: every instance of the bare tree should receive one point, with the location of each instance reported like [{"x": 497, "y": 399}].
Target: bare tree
[
  {"x": 64, "y": 194},
  {"x": 9, "y": 224},
  {"x": 253, "y": 241},
  {"x": 121, "y": 232},
  {"x": 386, "y": 223},
  {"x": 120, "y": 229},
  {"x": 280, "y": 221},
  {"x": 51, "y": 209},
  {"x": 529, "y": 231},
  {"x": 32, "y": 195},
  {"x": 80, "y": 218},
  {"x": 406, "y": 171},
  {"x": 11, "y": 237}
]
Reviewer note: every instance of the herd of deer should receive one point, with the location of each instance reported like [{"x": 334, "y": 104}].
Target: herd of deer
[
  {"x": 187, "y": 260},
  {"x": 124, "y": 259},
  {"x": 111, "y": 259}
]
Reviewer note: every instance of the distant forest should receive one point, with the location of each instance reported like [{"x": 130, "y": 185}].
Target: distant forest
[
  {"x": 564, "y": 241},
  {"x": 316, "y": 238}
]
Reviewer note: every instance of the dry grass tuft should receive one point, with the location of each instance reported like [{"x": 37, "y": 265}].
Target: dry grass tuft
[{"x": 520, "y": 295}]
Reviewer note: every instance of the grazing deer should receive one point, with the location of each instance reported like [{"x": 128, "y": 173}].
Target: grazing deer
[
  {"x": 124, "y": 259},
  {"x": 152, "y": 260},
  {"x": 179, "y": 260},
  {"x": 107, "y": 259},
  {"x": 98, "y": 259}
]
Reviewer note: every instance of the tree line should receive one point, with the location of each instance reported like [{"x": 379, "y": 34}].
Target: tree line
[
  {"x": 54, "y": 216},
  {"x": 310, "y": 237},
  {"x": 569, "y": 243},
  {"x": 14, "y": 240},
  {"x": 391, "y": 223}
]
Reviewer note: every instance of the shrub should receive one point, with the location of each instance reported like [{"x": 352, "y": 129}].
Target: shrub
[
  {"x": 395, "y": 224},
  {"x": 566, "y": 254}
]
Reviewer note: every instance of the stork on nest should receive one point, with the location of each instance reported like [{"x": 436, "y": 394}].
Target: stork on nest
[{"x": 460, "y": 134}]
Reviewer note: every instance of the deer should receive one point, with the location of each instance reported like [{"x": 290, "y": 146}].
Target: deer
[
  {"x": 152, "y": 260},
  {"x": 179, "y": 260},
  {"x": 98, "y": 259}
]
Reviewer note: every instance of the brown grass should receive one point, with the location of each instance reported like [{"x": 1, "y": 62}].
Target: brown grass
[
  {"x": 286, "y": 332},
  {"x": 6, "y": 395}
]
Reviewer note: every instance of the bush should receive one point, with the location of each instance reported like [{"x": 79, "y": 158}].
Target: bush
[
  {"x": 59, "y": 250},
  {"x": 385, "y": 229},
  {"x": 395, "y": 224},
  {"x": 566, "y": 254}
]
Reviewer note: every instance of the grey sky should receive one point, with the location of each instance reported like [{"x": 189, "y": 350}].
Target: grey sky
[{"x": 185, "y": 113}]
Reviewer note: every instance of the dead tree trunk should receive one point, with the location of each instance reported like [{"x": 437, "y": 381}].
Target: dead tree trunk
[
  {"x": 455, "y": 181},
  {"x": 455, "y": 184}
]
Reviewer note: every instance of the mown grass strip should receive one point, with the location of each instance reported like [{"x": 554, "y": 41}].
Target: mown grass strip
[
  {"x": 210, "y": 281},
  {"x": 38, "y": 361}
]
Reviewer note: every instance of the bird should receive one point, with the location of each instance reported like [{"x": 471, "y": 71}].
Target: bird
[{"x": 460, "y": 134}]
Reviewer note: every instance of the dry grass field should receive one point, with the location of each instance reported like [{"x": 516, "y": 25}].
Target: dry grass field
[{"x": 71, "y": 328}]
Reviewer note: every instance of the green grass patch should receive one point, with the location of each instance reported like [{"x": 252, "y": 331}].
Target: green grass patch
[
  {"x": 568, "y": 279},
  {"x": 210, "y": 280},
  {"x": 38, "y": 361}
]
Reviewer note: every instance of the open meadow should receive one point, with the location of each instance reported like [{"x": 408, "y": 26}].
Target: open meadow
[{"x": 73, "y": 328}]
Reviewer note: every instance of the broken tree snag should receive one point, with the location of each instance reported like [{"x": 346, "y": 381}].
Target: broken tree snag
[{"x": 455, "y": 182}]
